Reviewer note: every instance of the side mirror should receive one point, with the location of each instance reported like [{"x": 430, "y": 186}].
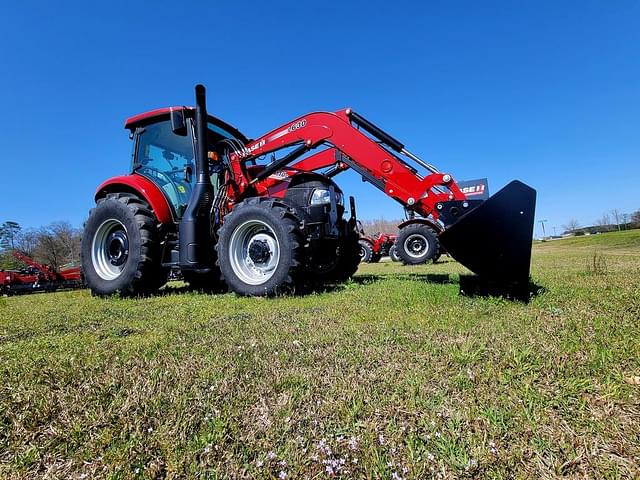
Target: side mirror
[{"x": 178, "y": 125}]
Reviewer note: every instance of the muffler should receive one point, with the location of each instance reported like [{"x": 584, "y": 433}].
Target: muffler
[{"x": 494, "y": 241}]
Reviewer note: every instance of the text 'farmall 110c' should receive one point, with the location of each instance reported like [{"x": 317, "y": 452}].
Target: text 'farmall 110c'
[{"x": 197, "y": 198}]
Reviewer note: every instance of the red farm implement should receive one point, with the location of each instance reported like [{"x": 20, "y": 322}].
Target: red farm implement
[{"x": 37, "y": 277}]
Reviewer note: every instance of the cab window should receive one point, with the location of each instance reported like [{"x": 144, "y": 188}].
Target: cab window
[{"x": 164, "y": 157}]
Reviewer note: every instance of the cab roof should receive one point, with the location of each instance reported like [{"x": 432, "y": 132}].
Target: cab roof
[{"x": 156, "y": 115}]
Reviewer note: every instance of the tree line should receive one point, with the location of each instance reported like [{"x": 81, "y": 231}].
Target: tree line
[
  {"x": 56, "y": 244},
  {"x": 607, "y": 222}
]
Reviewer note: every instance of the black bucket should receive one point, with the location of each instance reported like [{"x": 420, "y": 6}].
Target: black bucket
[{"x": 494, "y": 241}]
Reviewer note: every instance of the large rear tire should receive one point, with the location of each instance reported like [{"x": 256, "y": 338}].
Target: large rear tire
[
  {"x": 260, "y": 248},
  {"x": 120, "y": 250},
  {"x": 417, "y": 243}
]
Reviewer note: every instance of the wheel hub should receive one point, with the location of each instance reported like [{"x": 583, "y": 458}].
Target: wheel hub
[
  {"x": 110, "y": 249},
  {"x": 254, "y": 252},
  {"x": 117, "y": 246},
  {"x": 416, "y": 245},
  {"x": 259, "y": 251}
]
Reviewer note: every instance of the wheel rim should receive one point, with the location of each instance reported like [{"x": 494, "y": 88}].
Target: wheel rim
[
  {"x": 110, "y": 249},
  {"x": 254, "y": 252},
  {"x": 363, "y": 252},
  {"x": 416, "y": 245}
]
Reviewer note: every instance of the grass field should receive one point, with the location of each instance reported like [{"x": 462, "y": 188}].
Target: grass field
[{"x": 389, "y": 376}]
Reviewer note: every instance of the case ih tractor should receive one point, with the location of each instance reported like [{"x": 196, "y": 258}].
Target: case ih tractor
[
  {"x": 200, "y": 197},
  {"x": 373, "y": 248}
]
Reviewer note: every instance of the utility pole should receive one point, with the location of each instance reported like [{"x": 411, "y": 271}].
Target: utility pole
[{"x": 544, "y": 234}]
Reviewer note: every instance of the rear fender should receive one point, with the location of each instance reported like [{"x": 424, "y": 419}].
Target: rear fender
[{"x": 143, "y": 187}]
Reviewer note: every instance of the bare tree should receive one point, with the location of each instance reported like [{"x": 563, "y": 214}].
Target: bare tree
[
  {"x": 635, "y": 218},
  {"x": 604, "y": 221},
  {"x": 57, "y": 244},
  {"x": 616, "y": 217},
  {"x": 380, "y": 225},
  {"x": 571, "y": 225}
]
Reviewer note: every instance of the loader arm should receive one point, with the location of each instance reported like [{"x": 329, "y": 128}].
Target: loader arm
[
  {"x": 348, "y": 147},
  {"x": 490, "y": 237}
]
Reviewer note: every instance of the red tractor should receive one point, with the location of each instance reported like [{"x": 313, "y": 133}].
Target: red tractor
[
  {"x": 373, "y": 248},
  {"x": 200, "y": 197}
]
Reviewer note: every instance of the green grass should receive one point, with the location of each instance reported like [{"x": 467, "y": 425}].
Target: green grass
[{"x": 388, "y": 374}]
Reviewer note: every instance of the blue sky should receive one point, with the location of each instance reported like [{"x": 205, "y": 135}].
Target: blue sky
[{"x": 543, "y": 91}]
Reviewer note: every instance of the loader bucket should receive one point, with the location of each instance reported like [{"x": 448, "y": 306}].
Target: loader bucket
[{"x": 494, "y": 241}]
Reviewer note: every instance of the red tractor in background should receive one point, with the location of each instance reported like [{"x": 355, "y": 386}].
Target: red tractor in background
[
  {"x": 37, "y": 277},
  {"x": 373, "y": 248},
  {"x": 201, "y": 198}
]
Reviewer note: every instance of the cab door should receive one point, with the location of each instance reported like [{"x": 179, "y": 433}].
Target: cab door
[{"x": 167, "y": 159}]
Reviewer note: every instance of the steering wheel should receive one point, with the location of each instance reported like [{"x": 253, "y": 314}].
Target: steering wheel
[{"x": 172, "y": 179}]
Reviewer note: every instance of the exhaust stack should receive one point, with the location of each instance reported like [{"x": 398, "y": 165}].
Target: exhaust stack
[{"x": 196, "y": 251}]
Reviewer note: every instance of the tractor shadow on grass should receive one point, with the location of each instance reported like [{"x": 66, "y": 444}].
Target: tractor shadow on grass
[
  {"x": 474, "y": 286},
  {"x": 470, "y": 286}
]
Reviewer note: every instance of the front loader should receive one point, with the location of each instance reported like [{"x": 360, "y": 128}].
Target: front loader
[{"x": 200, "y": 198}]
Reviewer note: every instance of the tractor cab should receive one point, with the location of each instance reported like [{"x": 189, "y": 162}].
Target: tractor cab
[{"x": 164, "y": 151}]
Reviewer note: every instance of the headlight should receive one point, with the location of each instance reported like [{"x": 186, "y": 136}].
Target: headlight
[{"x": 320, "y": 196}]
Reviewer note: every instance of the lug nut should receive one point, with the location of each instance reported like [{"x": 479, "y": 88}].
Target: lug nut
[
  {"x": 439, "y": 206},
  {"x": 411, "y": 201},
  {"x": 465, "y": 204},
  {"x": 446, "y": 178}
]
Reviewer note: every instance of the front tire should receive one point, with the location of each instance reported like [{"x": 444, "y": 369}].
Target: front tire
[
  {"x": 120, "y": 250},
  {"x": 417, "y": 244},
  {"x": 260, "y": 248},
  {"x": 366, "y": 251},
  {"x": 393, "y": 254}
]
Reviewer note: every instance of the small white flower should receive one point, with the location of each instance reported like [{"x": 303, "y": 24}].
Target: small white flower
[
  {"x": 259, "y": 463},
  {"x": 282, "y": 475},
  {"x": 207, "y": 449},
  {"x": 381, "y": 439},
  {"x": 137, "y": 470},
  {"x": 150, "y": 429},
  {"x": 212, "y": 388},
  {"x": 271, "y": 455}
]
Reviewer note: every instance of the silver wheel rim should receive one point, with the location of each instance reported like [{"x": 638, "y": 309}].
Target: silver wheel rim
[
  {"x": 110, "y": 249},
  {"x": 416, "y": 245},
  {"x": 254, "y": 252},
  {"x": 363, "y": 252}
]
